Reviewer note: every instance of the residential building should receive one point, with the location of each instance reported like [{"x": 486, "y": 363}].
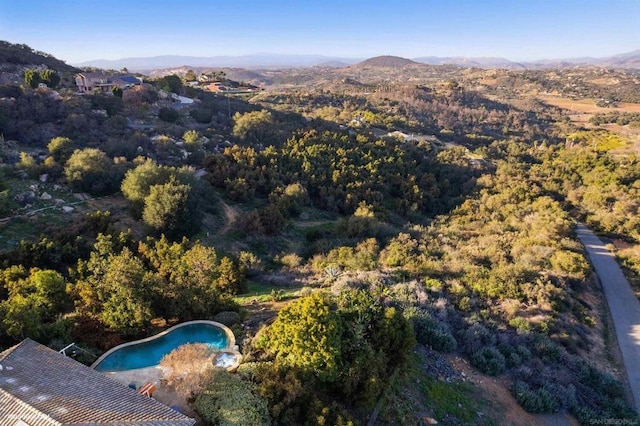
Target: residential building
[
  {"x": 41, "y": 387},
  {"x": 92, "y": 81}
]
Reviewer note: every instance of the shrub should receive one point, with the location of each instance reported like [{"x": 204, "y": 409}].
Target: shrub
[
  {"x": 538, "y": 401},
  {"x": 169, "y": 115},
  {"x": 548, "y": 351},
  {"x": 228, "y": 400},
  {"x": 523, "y": 352},
  {"x": 201, "y": 115},
  {"x": 291, "y": 260},
  {"x": 514, "y": 355},
  {"x": 520, "y": 324},
  {"x": 476, "y": 337},
  {"x": 431, "y": 332},
  {"x": 186, "y": 369},
  {"x": 251, "y": 263},
  {"x": 488, "y": 360}
]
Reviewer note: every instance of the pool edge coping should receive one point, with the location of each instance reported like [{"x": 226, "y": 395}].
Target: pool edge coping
[{"x": 230, "y": 337}]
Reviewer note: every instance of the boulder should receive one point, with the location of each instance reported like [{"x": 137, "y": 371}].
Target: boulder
[
  {"x": 44, "y": 177},
  {"x": 67, "y": 209},
  {"x": 227, "y": 318},
  {"x": 45, "y": 196},
  {"x": 24, "y": 198}
]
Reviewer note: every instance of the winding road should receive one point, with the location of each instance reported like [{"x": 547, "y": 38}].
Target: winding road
[{"x": 623, "y": 305}]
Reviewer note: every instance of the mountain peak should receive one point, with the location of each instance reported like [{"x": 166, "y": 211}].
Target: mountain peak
[{"x": 386, "y": 61}]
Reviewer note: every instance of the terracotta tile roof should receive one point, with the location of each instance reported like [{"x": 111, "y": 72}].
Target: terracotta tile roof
[{"x": 44, "y": 388}]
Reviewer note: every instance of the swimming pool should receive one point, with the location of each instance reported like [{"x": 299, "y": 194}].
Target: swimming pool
[{"x": 148, "y": 352}]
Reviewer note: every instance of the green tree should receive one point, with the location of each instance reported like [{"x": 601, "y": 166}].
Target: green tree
[
  {"x": 28, "y": 164},
  {"x": 170, "y": 83},
  {"x": 32, "y": 300},
  {"x": 117, "y": 92},
  {"x": 32, "y": 78},
  {"x": 137, "y": 182},
  {"x": 307, "y": 334},
  {"x": 115, "y": 287},
  {"x": 51, "y": 78},
  {"x": 91, "y": 170},
  {"x": 190, "y": 76},
  {"x": 21, "y": 316},
  {"x": 50, "y": 288},
  {"x": 255, "y": 126},
  {"x": 192, "y": 137},
  {"x": 61, "y": 148},
  {"x": 170, "y": 208},
  {"x": 127, "y": 291}
]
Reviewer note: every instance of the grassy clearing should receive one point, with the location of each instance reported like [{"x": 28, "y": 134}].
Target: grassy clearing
[
  {"x": 16, "y": 230},
  {"x": 266, "y": 292}
]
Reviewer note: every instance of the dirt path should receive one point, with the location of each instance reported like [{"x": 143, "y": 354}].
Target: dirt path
[
  {"x": 623, "y": 305},
  {"x": 502, "y": 405},
  {"x": 230, "y": 217}
]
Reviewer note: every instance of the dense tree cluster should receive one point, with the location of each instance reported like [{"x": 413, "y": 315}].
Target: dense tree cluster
[
  {"x": 449, "y": 110},
  {"x": 337, "y": 171},
  {"x": 601, "y": 187},
  {"x": 120, "y": 286},
  {"x": 621, "y": 118}
]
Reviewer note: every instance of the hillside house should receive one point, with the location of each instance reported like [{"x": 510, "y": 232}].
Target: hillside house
[
  {"x": 88, "y": 82},
  {"x": 216, "y": 86},
  {"x": 41, "y": 387}
]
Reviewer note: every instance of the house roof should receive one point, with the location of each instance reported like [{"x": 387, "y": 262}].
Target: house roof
[
  {"x": 93, "y": 75},
  {"x": 128, "y": 79},
  {"x": 42, "y": 387}
]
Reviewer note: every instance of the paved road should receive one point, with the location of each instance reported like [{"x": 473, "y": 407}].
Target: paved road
[{"x": 623, "y": 305}]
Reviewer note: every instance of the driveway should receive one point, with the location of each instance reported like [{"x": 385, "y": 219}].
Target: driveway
[{"x": 623, "y": 305}]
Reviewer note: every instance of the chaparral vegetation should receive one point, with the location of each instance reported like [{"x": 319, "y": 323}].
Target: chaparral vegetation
[{"x": 366, "y": 237}]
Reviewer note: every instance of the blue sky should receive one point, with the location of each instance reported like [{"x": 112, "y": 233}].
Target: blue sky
[{"x": 77, "y": 31}]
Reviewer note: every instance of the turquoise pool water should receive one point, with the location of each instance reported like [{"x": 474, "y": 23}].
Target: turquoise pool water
[{"x": 149, "y": 353}]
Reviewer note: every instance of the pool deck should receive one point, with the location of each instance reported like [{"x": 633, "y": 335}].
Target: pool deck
[
  {"x": 153, "y": 375},
  {"x": 139, "y": 376}
]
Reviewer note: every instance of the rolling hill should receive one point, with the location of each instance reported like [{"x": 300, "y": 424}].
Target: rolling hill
[
  {"x": 22, "y": 55},
  {"x": 386, "y": 61}
]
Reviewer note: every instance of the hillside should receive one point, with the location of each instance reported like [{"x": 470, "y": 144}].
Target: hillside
[
  {"x": 418, "y": 218},
  {"x": 466, "y": 62},
  {"x": 21, "y": 54}
]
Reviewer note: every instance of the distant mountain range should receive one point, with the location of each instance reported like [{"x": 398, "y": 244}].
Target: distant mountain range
[
  {"x": 630, "y": 60},
  {"x": 261, "y": 60}
]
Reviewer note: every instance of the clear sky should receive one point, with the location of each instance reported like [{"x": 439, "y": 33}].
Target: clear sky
[{"x": 77, "y": 31}]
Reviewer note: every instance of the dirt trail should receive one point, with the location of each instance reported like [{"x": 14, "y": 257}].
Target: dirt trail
[
  {"x": 502, "y": 405},
  {"x": 230, "y": 217}
]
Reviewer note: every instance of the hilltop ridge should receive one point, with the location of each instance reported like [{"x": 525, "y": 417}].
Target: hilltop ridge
[{"x": 386, "y": 61}]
